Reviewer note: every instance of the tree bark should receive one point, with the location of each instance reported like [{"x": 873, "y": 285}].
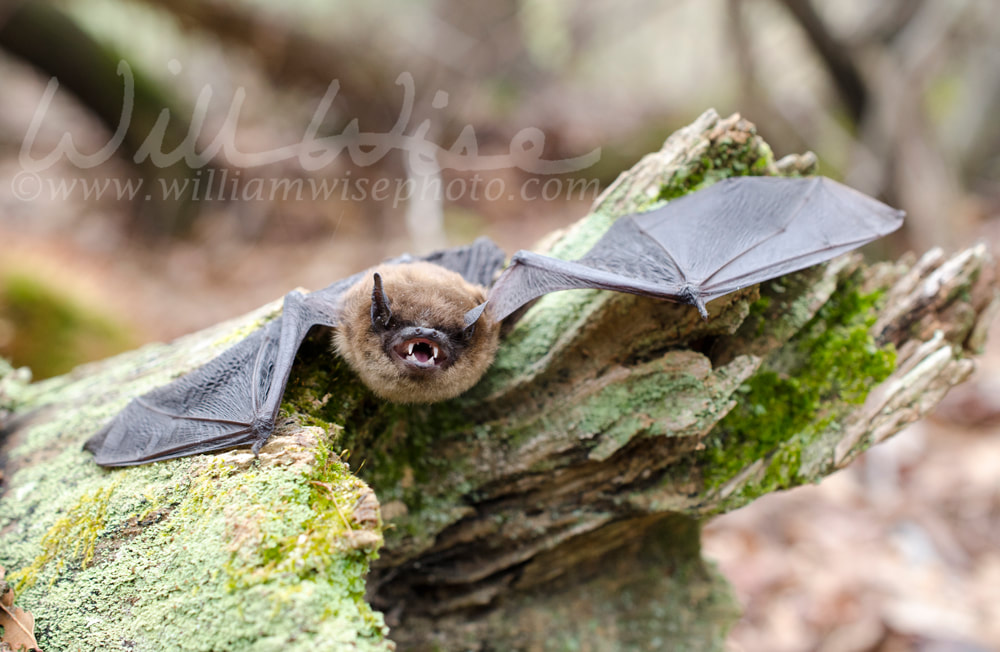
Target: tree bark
[{"x": 555, "y": 505}]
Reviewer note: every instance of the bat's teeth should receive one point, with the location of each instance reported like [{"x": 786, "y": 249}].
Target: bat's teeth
[{"x": 421, "y": 351}]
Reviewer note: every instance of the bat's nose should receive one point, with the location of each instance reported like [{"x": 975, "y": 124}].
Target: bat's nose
[{"x": 415, "y": 332}]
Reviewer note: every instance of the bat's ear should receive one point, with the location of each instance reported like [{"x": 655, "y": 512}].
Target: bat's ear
[
  {"x": 471, "y": 318},
  {"x": 381, "y": 314}
]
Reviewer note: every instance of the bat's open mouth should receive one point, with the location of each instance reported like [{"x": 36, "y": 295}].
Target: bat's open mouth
[{"x": 420, "y": 352}]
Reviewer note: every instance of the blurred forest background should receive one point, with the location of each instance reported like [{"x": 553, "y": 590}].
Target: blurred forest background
[{"x": 898, "y": 98}]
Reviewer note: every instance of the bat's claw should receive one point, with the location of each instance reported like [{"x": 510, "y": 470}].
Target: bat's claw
[
  {"x": 690, "y": 295},
  {"x": 262, "y": 428}
]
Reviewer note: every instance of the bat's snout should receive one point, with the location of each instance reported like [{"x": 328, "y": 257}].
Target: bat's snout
[{"x": 421, "y": 349}]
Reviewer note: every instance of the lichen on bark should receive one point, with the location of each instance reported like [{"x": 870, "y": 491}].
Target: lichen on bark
[{"x": 203, "y": 553}]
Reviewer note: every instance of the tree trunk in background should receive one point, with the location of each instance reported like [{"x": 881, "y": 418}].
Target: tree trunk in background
[
  {"x": 42, "y": 35},
  {"x": 556, "y": 505}
]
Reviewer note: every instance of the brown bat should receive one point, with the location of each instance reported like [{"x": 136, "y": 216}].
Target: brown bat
[
  {"x": 426, "y": 330},
  {"x": 416, "y": 347}
]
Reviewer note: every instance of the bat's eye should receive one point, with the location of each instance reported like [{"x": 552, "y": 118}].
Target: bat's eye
[
  {"x": 471, "y": 318},
  {"x": 383, "y": 324},
  {"x": 466, "y": 333}
]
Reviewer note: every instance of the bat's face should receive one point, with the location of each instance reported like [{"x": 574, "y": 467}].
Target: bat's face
[{"x": 403, "y": 331}]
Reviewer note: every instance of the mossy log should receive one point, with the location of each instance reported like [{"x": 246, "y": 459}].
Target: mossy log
[{"x": 554, "y": 506}]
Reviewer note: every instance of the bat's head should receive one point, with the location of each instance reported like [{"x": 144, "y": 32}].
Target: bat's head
[{"x": 413, "y": 334}]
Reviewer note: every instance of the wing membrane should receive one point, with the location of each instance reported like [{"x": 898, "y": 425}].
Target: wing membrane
[{"x": 737, "y": 233}]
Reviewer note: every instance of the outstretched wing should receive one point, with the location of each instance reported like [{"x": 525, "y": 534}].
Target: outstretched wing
[
  {"x": 234, "y": 399},
  {"x": 205, "y": 410},
  {"x": 739, "y": 232},
  {"x": 230, "y": 401},
  {"x": 478, "y": 262}
]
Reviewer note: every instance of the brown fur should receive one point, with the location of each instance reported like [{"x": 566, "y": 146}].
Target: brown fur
[{"x": 430, "y": 296}]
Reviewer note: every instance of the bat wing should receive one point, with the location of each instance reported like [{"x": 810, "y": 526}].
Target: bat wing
[
  {"x": 478, "y": 262},
  {"x": 737, "y": 233},
  {"x": 234, "y": 399},
  {"x": 231, "y": 401}
]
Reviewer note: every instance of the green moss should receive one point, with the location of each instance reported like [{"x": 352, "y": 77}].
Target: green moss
[
  {"x": 285, "y": 547},
  {"x": 406, "y": 458},
  {"x": 729, "y": 157},
  {"x": 71, "y": 538},
  {"x": 12, "y": 386},
  {"x": 758, "y": 315},
  {"x": 786, "y": 406},
  {"x": 190, "y": 554},
  {"x": 391, "y": 444},
  {"x": 620, "y": 410},
  {"x": 49, "y": 331},
  {"x": 327, "y": 544}
]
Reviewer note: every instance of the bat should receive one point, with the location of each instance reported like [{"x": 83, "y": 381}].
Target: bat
[{"x": 426, "y": 329}]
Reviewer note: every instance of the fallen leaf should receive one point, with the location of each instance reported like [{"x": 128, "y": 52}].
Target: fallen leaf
[
  {"x": 6, "y": 593},
  {"x": 18, "y": 628},
  {"x": 18, "y": 625}
]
